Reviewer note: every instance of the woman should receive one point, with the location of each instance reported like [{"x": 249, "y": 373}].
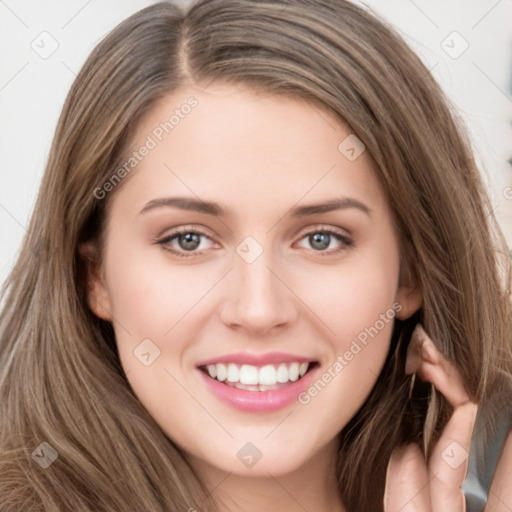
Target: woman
[{"x": 267, "y": 275}]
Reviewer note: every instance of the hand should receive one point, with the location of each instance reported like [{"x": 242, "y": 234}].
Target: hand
[{"x": 411, "y": 484}]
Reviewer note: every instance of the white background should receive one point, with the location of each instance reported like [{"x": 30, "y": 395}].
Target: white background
[{"x": 32, "y": 89}]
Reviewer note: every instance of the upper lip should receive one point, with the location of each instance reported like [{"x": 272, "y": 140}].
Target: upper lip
[{"x": 257, "y": 359}]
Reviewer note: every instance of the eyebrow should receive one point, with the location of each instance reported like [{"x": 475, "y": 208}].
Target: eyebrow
[{"x": 212, "y": 208}]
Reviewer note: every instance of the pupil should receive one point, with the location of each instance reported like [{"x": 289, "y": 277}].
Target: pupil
[
  {"x": 189, "y": 241},
  {"x": 320, "y": 240}
]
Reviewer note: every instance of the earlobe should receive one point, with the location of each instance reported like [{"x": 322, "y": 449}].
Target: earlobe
[
  {"x": 410, "y": 299},
  {"x": 408, "y": 294},
  {"x": 98, "y": 297}
]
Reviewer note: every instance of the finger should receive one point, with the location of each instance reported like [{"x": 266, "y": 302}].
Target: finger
[
  {"x": 407, "y": 480},
  {"x": 432, "y": 366},
  {"x": 449, "y": 461}
]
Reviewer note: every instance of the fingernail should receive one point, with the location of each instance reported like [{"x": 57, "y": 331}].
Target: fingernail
[
  {"x": 428, "y": 348},
  {"x": 429, "y": 351},
  {"x": 419, "y": 333}
]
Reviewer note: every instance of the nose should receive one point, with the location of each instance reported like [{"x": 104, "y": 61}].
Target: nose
[{"x": 258, "y": 300}]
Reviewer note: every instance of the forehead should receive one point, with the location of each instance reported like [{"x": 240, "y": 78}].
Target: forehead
[{"x": 239, "y": 147}]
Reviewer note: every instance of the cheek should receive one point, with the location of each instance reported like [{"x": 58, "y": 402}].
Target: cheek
[
  {"x": 351, "y": 298},
  {"x": 155, "y": 308},
  {"x": 150, "y": 295},
  {"x": 357, "y": 306},
  {"x": 155, "y": 305}
]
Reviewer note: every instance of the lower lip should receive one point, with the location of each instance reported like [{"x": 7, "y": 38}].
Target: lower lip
[{"x": 259, "y": 401}]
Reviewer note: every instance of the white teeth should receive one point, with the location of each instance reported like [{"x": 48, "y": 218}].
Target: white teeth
[
  {"x": 222, "y": 373},
  {"x": 282, "y": 373},
  {"x": 212, "y": 370},
  {"x": 233, "y": 373},
  {"x": 267, "y": 375},
  {"x": 293, "y": 372},
  {"x": 249, "y": 375}
]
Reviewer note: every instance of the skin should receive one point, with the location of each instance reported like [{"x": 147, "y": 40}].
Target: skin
[
  {"x": 412, "y": 484},
  {"x": 259, "y": 156}
]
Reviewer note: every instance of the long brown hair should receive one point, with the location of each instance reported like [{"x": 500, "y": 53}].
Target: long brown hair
[{"x": 61, "y": 381}]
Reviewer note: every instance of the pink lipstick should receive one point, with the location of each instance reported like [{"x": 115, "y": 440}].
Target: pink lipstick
[{"x": 258, "y": 382}]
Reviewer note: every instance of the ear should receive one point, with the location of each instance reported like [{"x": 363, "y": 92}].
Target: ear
[
  {"x": 98, "y": 297},
  {"x": 408, "y": 294}
]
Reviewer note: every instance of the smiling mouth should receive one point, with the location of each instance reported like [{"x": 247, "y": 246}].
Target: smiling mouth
[{"x": 258, "y": 378}]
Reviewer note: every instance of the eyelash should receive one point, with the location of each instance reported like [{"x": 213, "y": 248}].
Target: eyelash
[{"x": 346, "y": 241}]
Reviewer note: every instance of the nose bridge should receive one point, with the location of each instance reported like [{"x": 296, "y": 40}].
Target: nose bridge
[{"x": 258, "y": 300}]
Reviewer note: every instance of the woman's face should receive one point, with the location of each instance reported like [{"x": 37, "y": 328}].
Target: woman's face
[{"x": 250, "y": 241}]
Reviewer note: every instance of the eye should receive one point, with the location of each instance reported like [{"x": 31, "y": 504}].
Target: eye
[
  {"x": 188, "y": 242},
  {"x": 322, "y": 239},
  {"x": 183, "y": 241}
]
